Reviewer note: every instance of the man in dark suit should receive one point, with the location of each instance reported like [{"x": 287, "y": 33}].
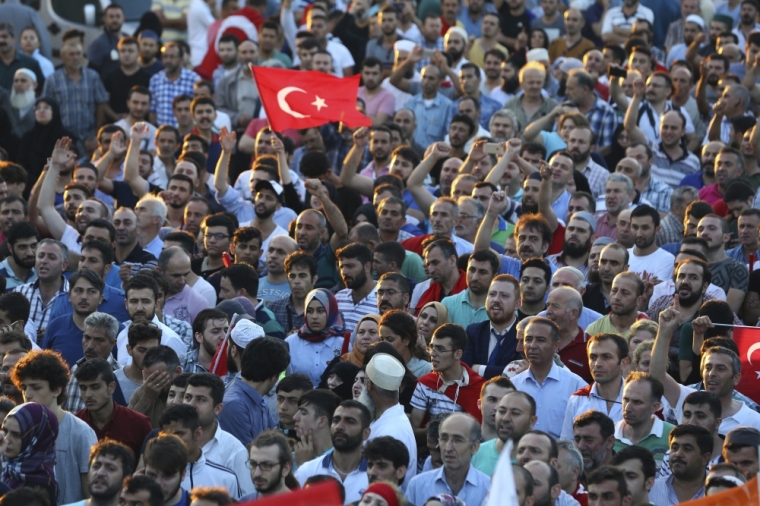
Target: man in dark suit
[{"x": 492, "y": 344}]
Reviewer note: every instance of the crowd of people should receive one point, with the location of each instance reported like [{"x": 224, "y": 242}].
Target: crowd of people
[{"x": 541, "y": 245}]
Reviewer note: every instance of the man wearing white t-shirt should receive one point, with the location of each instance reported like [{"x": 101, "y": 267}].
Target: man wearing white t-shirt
[
  {"x": 646, "y": 259},
  {"x": 721, "y": 372}
]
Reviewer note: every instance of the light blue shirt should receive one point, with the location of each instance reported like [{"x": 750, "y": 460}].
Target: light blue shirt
[
  {"x": 663, "y": 492},
  {"x": 425, "y": 485},
  {"x": 234, "y": 202},
  {"x": 245, "y": 414},
  {"x": 311, "y": 358},
  {"x": 559, "y": 206},
  {"x": 551, "y": 397},
  {"x": 432, "y": 124},
  {"x": 461, "y": 310}
]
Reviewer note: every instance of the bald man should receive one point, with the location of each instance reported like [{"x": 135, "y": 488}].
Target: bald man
[
  {"x": 546, "y": 487},
  {"x": 564, "y": 306},
  {"x": 275, "y": 285}
]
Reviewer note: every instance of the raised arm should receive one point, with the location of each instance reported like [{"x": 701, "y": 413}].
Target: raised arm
[
  {"x": 510, "y": 153},
  {"x": 616, "y": 93},
  {"x": 117, "y": 148},
  {"x": 533, "y": 132},
  {"x": 333, "y": 214},
  {"x": 416, "y": 179},
  {"x": 635, "y": 135},
  {"x": 474, "y": 157},
  {"x": 701, "y": 91},
  {"x": 290, "y": 194},
  {"x": 60, "y": 157},
  {"x": 348, "y": 176},
  {"x": 658, "y": 366},
  {"x": 397, "y": 78},
  {"x": 719, "y": 110},
  {"x": 227, "y": 140},
  {"x": 545, "y": 196},
  {"x": 443, "y": 64},
  {"x": 139, "y": 186},
  {"x": 496, "y": 206}
]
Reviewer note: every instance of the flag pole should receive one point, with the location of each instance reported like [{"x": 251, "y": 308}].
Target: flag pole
[{"x": 733, "y": 326}]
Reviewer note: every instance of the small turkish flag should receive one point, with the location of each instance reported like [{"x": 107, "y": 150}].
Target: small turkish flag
[
  {"x": 747, "y": 340},
  {"x": 304, "y": 99}
]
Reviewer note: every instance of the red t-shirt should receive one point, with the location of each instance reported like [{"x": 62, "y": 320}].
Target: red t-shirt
[
  {"x": 574, "y": 356},
  {"x": 126, "y": 426},
  {"x": 558, "y": 240}
]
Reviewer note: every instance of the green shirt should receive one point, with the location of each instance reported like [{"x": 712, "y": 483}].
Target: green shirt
[
  {"x": 461, "y": 310},
  {"x": 413, "y": 267},
  {"x": 327, "y": 267},
  {"x": 656, "y": 441},
  {"x": 604, "y": 326},
  {"x": 486, "y": 457}
]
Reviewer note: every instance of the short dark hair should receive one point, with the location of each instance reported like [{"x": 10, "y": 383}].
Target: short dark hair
[
  {"x": 242, "y": 276},
  {"x": 167, "y": 453},
  {"x": 657, "y": 389},
  {"x": 16, "y": 305},
  {"x": 13, "y": 199},
  {"x": 16, "y": 336},
  {"x": 538, "y": 263},
  {"x": 293, "y": 382},
  {"x": 101, "y": 223},
  {"x": 463, "y": 118},
  {"x": 645, "y": 210},
  {"x": 219, "y": 220},
  {"x": 370, "y": 62},
  {"x": 399, "y": 279},
  {"x": 703, "y": 436},
  {"x": 88, "y": 276},
  {"x": 605, "y": 423},
  {"x": 719, "y": 312},
  {"x": 644, "y": 456},
  {"x": 115, "y": 449},
  {"x": 703, "y": 397},
  {"x": 609, "y": 473},
  {"x": 454, "y": 332},
  {"x": 388, "y": 448},
  {"x": 26, "y": 496},
  {"x": 553, "y": 447},
  {"x": 22, "y": 230},
  {"x": 499, "y": 381},
  {"x": 620, "y": 342},
  {"x": 391, "y": 251},
  {"x": 264, "y": 358},
  {"x": 218, "y": 495},
  {"x": 214, "y": 383},
  {"x": 355, "y": 250},
  {"x": 139, "y": 332},
  {"x": 138, "y": 482},
  {"x": 738, "y": 190},
  {"x": 45, "y": 365},
  {"x": 184, "y": 414},
  {"x": 202, "y": 318},
  {"x": 185, "y": 239},
  {"x": 366, "y": 416},
  {"x": 486, "y": 255},
  {"x": 94, "y": 369},
  {"x": 140, "y": 283},
  {"x": 106, "y": 250},
  {"x": 161, "y": 354},
  {"x": 324, "y": 402},
  {"x": 301, "y": 259}
]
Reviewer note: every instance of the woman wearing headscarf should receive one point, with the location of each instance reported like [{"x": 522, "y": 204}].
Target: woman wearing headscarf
[
  {"x": 339, "y": 377},
  {"x": 37, "y": 144},
  {"x": 431, "y": 316},
  {"x": 320, "y": 340},
  {"x": 382, "y": 493},
  {"x": 444, "y": 500},
  {"x": 366, "y": 334},
  {"x": 31, "y": 430}
]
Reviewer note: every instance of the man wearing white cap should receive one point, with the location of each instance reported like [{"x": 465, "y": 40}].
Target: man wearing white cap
[
  {"x": 22, "y": 101},
  {"x": 383, "y": 379},
  {"x": 454, "y": 44},
  {"x": 693, "y": 25},
  {"x": 246, "y": 413}
]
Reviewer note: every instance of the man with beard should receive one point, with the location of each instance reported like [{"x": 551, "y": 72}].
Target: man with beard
[
  {"x": 658, "y": 94},
  {"x": 22, "y": 101},
  {"x": 729, "y": 165},
  {"x": 440, "y": 257},
  {"x": 468, "y": 306},
  {"x": 381, "y": 48},
  {"x": 535, "y": 276},
  {"x": 227, "y": 49},
  {"x": 572, "y": 44},
  {"x": 575, "y": 249},
  {"x": 359, "y": 298},
  {"x": 728, "y": 274},
  {"x": 672, "y": 160},
  {"x": 470, "y": 79},
  {"x": 639, "y": 468},
  {"x": 380, "y": 395},
  {"x": 267, "y": 201},
  {"x": 166, "y": 461},
  {"x": 9, "y": 361},
  {"x": 379, "y": 102},
  {"x": 274, "y": 285},
  {"x": 349, "y": 428},
  {"x": 690, "y": 451},
  {"x": 85, "y": 294},
  {"x": 173, "y": 81},
  {"x": 546, "y": 487},
  {"x": 392, "y": 292},
  {"x": 493, "y": 60},
  {"x": 270, "y": 451},
  {"x": 203, "y": 110},
  {"x": 594, "y": 436},
  {"x": 647, "y": 260},
  {"x": 492, "y": 344},
  {"x": 120, "y": 79},
  {"x": 531, "y": 104},
  {"x": 109, "y": 463},
  {"x": 626, "y": 296},
  {"x": 141, "y": 295},
  {"x": 301, "y": 271},
  {"x": 624, "y": 234},
  {"x": 515, "y": 415},
  {"x": 18, "y": 269},
  {"x": 613, "y": 260},
  {"x": 580, "y": 142},
  {"x": 461, "y": 130}
]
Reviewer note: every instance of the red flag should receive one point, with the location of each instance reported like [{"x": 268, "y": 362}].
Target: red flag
[
  {"x": 746, "y": 494},
  {"x": 748, "y": 341},
  {"x": 321, "y": 494},
  {"x": 298, "y": 99}
]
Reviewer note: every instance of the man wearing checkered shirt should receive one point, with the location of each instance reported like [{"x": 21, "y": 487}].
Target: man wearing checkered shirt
[
  {"x": 171, "y": 82},
  {"x": 580, "y": 90},
  {"x": 650, "y": 187}
]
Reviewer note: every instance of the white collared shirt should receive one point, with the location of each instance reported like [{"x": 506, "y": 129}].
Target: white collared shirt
[
  {"x": 580, "y": 403},
  {"x": 168, "y": 338},
  {"x": 356, "y": 481},
  {"x": 226, "y": 450},
  {"x": 394, "y": 422}
]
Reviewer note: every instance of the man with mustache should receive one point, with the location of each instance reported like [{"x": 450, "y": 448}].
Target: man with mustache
[
  {"x": 392, "y": 292},
  {"x": 580, "y": 142},
  {"x": 706, "y": 176},
  {"x": 468, "y": 306},
  {"x": 349, "y": 428},
  {"x": 729, "y": 274},
  {"x": 14, "y": 59},
  {"x": 626, "y": 295},
  {"x": 440, "y": 257},
  {"x": 383, "y": 379},
  {"x": 690, "y": 451},
  {"x": 578, "y": 236},
  {"x": 22, "y": 101},
  {"x": 492, "y": 344},
  {"x": 613, "y": 259},
  {"x": 535, "y": 277},
  {"x": 18, "y": 268},
  {"x": 550, "y": 385},
  {"x": 729, "y": 165},
  {"x": 515, "y": 415},
  {"x": 359, "y": 298},
  {"x": 110, "y": 462}
]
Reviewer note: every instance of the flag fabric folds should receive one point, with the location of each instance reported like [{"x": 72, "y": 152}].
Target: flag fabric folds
[
  {"x": 306, "y": 99},
  {"x": 748, "y": 341},
  {"x": 744, "y": 495}
]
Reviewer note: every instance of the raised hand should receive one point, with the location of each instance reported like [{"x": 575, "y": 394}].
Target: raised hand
[
  {"x": 498, "y": 203},
  {"x": 513, "y": 146},
  {"x": 476, "y": 151},
  {"x": 669, "y": 319},
  {"x": 277, "y": 145},
  {"x": 139, "y": 132},
  {"x": 700, "y": 324},
  {"x": 361, "y": 138},
  {"x": 546, "y": 171},
  {"x": 228, "y": 139},
  {"x": 639, "y": 88},
  {"x": 314, "y": 186},
  {"x": 155, "y": 383},
  {"x": 440, "y": 150},
  {"x": 720, "y": 107},
  {"x": 62, "y": 153},
  {"x": 415, "y": 55}
]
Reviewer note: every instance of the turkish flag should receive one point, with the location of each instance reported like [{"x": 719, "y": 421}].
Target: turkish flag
[
  {"x": 748, "y": 341},
  {"x": 746, "y": 494},
  {"x": 305, "y": 99},
  {"x": 322, "y": 494}
]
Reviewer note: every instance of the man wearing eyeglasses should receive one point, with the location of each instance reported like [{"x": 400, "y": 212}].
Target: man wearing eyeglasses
[{"x": 270, "y": 464}]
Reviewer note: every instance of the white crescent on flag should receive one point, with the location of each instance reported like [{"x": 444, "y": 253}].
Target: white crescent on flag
[
  {"x": 751, "y": 350},
  {"x": 282, "y": 95}
]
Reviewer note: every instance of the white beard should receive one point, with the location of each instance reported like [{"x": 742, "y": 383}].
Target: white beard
[
  {"x": 23, "y": 100},
  {"x": 365, "y": 399}
]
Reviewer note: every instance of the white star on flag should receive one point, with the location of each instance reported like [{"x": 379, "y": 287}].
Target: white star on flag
[{"x": 319, "y": 103}]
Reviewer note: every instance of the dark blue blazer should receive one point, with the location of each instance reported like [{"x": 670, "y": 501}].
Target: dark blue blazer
[{"x": 478, "y": 338}]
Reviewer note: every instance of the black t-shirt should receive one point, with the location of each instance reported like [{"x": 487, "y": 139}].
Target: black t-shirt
[
  {"x": 196, "y": 264},
  {"x": 118, "y": 84},
  {"x": 123, "y": 196},
  {"x": 512, "y": 25},
  {"x": 594, "y": 299},
  {"x": 354, "y": 38}
]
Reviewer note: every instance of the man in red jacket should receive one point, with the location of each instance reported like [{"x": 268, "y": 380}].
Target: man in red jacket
[{"x": 440, "y": 257}]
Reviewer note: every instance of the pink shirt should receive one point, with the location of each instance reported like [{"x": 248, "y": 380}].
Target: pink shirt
[
  {"x": 382, "y": 102},
  {"x": 710, "y": 194},
  {"x": 185, "y": 305}
]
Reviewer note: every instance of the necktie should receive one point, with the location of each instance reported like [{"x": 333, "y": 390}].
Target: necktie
[{"x": 495, "y": 353}]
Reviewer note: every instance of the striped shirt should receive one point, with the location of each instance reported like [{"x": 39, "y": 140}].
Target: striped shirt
[
  {"x": 11, "y": 280},
  {"x": 597, "y": 177},
  {"x": 658, "y": 193},
  {"x": 672, "y": 171},
  {"x": 663, "y": 493},
  {"x": 616, "y": 17},
  {"x": 39, "y": 314},
  {"x": 351, "y": 312}
]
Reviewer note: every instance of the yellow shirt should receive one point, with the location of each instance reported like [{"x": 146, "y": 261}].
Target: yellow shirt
[{"x": 477, "y": 55}]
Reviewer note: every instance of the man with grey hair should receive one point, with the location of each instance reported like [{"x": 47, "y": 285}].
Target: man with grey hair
[
  {"x": 22, "y": 101},
  {"x": 671, "y": 226},
  {"x": 619, "y": 193},
  {"x": 570, "y": 469},
  {"x": 182, "y": 302},
  {"x": 504, "y": 125},
  {"x": 459, "y": 440},
  {"x": 151, "y": 211},
  {"x": 579, "y": 234},
  {"x": 531, "y": 104},
  {"x": 564, "y": 307},
  {"x": 734, "y": 102},
  {"x": 467, "y": 228},
  {"x": 98, "y": 340},
  {"x": 50, "y": 263}
]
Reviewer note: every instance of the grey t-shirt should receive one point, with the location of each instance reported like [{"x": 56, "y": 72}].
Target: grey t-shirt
[
  {"x": 553, "y": 30},
  {"x": 128, "y": 386},
  {"x": 72, "y": 451}
]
